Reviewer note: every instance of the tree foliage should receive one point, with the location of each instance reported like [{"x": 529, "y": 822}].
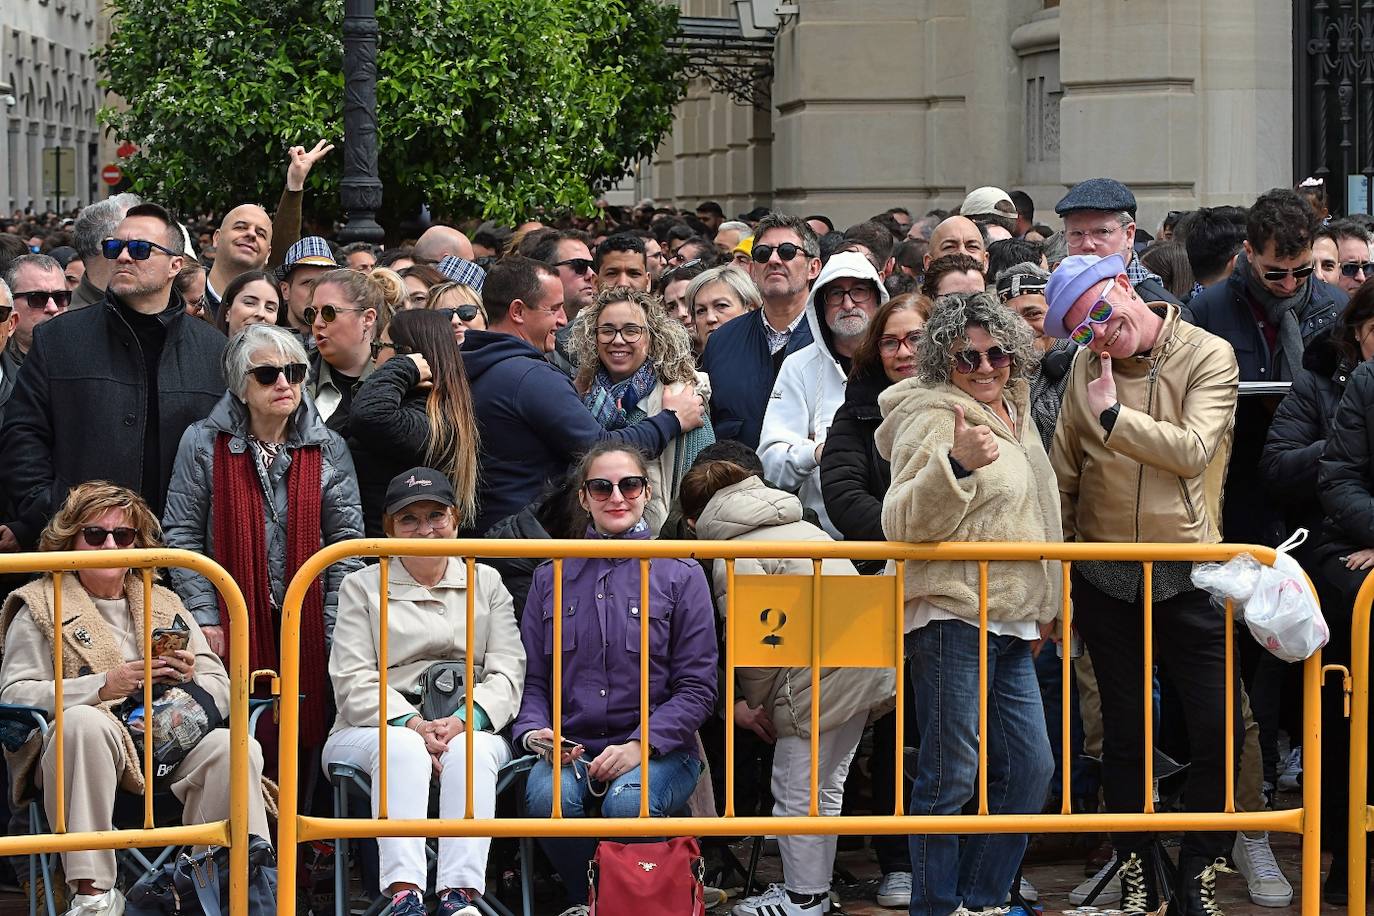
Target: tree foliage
[{"x": 493, "y": 107}]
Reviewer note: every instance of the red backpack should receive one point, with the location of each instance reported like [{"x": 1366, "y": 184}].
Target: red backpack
[{"x": 647, "y": 879}]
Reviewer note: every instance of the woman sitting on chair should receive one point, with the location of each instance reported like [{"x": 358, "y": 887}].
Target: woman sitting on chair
[
  {"x": 601, "y": 658},
  {"x": 102, "y": 662},
  {"x": 427, "y": 624}
]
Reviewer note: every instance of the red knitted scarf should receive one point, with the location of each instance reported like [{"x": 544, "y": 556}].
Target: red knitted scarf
[{"x": 241, "y": 548}]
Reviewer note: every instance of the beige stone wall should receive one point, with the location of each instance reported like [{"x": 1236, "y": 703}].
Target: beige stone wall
[{"x": 913, "y": 102}]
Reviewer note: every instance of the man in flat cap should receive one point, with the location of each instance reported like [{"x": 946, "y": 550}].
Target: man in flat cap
[
  {"x": 1147, "y": 413},
  {"x": 1099, "y": 219}
]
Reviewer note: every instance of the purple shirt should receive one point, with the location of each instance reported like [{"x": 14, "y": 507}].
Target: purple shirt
[{"x": 601, "y": 631}]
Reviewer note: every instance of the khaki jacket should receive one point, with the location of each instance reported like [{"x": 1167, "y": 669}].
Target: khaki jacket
[
  {"x": 1158, "y": 475},
  {"x": 424, "y": 625}
]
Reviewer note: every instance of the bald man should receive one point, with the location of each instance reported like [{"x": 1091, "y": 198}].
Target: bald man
[
  {"x": 958, "y": 235},
  {"x": 440, "y": 241},
  {"x": 242, "y": 243}
]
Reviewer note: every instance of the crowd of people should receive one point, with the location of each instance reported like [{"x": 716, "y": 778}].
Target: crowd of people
[{"x": 252, "y": 393}]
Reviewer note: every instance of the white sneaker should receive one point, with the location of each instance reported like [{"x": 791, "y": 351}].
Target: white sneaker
[
  {"x": 1111, "y": 894},
  {"x": 110, "y": 903},
  {"x": 1290, "y": 779},
  {"x": 895, "y": 890},
  {"x": 1027, "y": 891},
  {"x": 1255, "y": 861},
  {"x": 776, "y": 902}
]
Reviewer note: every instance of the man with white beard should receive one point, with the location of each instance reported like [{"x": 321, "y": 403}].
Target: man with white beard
[{"x": 811, "y": 384}]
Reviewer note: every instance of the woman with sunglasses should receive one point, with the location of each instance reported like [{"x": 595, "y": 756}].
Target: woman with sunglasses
[
  {"x": 601, "y": 632},
  {"x": 427, "y": 600},
  {"x": 462, "y": 304},
  {"x": 259, "y": 486},
  {"x": 724, "y": 501},
  {"x": 629, "y": 353},
  {"x": 347, "y": 311},
  {"x": 102, "y": 665},
  {"x": 414, "y": 409},
  {"x": 253, "y": 297},
  {"x": 968, "y": 465}
]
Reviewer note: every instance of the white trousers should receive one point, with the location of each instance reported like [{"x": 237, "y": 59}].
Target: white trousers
[
  {"x": 462, "y": 860},
  {"x": 808, "y": 861}
]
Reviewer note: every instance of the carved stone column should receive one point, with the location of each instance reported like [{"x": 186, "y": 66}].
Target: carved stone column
[{"x": 361, "y": 189}]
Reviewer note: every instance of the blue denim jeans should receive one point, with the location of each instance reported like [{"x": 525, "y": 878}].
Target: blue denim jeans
[
  {"x": 978, "y": 872},
  {"x": 672, "y": 778}
]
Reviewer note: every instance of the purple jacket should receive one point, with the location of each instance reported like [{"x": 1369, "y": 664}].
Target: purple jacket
[{"x": 601, "y": 634}]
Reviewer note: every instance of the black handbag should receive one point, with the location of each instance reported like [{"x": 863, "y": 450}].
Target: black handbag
[
  {"x": 441, "y": 689},
  {"x": 199, "y": 885}
]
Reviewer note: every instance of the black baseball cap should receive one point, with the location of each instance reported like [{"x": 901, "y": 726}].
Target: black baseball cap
[{"x": 417, "y": 485}]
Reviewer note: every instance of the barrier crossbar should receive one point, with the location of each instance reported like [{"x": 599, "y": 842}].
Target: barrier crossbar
[
  {"x": 233, "y": 832},
  {"x": 829, "y": 621}
]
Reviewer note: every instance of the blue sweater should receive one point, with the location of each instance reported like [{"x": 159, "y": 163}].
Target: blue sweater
[
  {"x": 533, "y": 425},
  {"x": 742, "y": 374}
]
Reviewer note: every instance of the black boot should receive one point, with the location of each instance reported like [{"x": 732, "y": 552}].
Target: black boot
[
  {"x": 1336, "y": 889},
  {"x": 1197, "y": 886},
  {"x": 1139, "y": 889}
]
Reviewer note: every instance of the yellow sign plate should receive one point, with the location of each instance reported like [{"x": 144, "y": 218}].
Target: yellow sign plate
[{"x": 773, "y": 621}]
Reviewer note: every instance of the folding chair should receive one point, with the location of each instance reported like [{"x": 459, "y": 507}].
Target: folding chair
[{"x": 348, "y": 781}]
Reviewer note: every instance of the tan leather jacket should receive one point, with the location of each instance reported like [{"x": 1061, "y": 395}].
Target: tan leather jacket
[{"x": 1157, "y": 476}]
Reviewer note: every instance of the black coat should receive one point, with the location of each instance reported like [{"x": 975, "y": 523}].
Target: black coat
[
  {"x": 1345, "y": 476},
  {"x": 854, "y": 477},
  {"x": 387, "y": 432},
  {"x": 80, "y": 406},
  {"x": 1298, "y": 433},
  {"x": 516, "y": 572}
]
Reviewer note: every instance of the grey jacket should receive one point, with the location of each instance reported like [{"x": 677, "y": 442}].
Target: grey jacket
[{"x": 188, "y": 523}]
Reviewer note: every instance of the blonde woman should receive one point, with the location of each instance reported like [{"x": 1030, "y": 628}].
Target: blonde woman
[
  {"x": 462, "y": 304},
  {"x": 629, "y": 353}
]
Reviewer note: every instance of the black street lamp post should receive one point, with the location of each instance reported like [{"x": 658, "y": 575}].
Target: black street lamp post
[{"x": 360, "y": 190}]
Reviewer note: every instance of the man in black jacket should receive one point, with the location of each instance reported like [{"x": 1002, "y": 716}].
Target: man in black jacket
[{"x": 106, "y": 392}]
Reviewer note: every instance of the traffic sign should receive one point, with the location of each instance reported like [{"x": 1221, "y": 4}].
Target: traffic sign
[{"x": 111, "y": 174}]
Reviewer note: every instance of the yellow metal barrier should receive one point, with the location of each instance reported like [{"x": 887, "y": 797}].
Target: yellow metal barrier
[
  {"x": 777, "y": 621},
  {"x": 1361, "y": 814},
  {"x": 233, "y": 832}
]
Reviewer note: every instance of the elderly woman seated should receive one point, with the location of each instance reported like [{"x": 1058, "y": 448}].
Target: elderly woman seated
[{"x": 102, "y": 665}]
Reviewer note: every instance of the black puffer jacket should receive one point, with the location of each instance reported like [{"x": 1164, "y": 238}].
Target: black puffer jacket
[
  {"x": 1298, "y": 433},
  {"x": 1345, "y": 477},
  {"x": 854, "y": 477},
  {"x": 388, "y": 433}
]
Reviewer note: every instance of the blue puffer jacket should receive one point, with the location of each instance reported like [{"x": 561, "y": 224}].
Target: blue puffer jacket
[{"x": 742, "y": 374}]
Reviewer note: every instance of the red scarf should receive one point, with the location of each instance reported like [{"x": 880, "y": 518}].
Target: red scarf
[{"x": 241, "y": 548}]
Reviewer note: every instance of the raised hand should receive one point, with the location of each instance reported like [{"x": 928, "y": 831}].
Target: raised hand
[
  {"x": 1102, "y": 390},
  {"x": 974, "y": 446},
  {"x": 302, "y": 162}
]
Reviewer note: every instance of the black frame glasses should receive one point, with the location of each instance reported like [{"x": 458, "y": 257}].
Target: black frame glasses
[
  {"x": 580, "y": 266},
  {"x": 95, "y": 536},
  {"x": 465, "y": 313},
  {"x": 967, "y": 362},
  {"x": 38, "y": 298},
  {"x": 328, "y": 312},
  {"x": 139, "y": 249},
  {"x": 1274, "y": 275},
  {"x": 267, "y": 376},
  {"x": 786, "y": 252},
  {"x": 399, "y": 349},
  {"x": 600, "y": 489},
  {"x": 630, "y": 333},
  {"x": 863, "y": 294}
]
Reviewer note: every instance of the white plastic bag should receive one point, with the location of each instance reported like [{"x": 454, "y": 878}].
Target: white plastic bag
[
  {"x": 1235, "y": 579},
  {"x": 1283, "y": 612}
]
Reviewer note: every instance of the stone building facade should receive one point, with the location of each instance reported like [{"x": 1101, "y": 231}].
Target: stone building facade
[
  {"x": 913, "y": 102},
  {"x": 48, "y": 100}
]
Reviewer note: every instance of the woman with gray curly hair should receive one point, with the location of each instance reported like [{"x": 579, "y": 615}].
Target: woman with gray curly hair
[
  {"x": 968, "y": 465},
  {"x": 629, "y": 353}
]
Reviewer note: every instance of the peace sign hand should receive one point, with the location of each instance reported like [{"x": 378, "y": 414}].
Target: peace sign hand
[{"x": 302, "y": 162}]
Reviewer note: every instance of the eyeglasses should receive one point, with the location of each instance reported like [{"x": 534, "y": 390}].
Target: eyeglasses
[
  {"x": 268, "y": 375},
  {"x": 579, "y": 266},
  {"x": 600, "y": 489},
  {"x": 38, "y": 298},
  {"x": 95, "y": 536},
  {"x": 465, "y": 313},
  {"x": 630, "y": 333},
  {"x": 328, "y": 313},
  {"x": 1100, "y": 234},
  {"x": 889, "y": 346},
  {"x": 862, "y": 294},
  {"x": 411, "y": 522},
  {"x": 1351, "y": 268},
  {"x": 139, "y": 249},
  {"x": 786, "y": 251},
  {"x": 968, "y": 361},
  {"x": 1100, "y": 312},
  {"x": 1298, "y": 273},
  {"x": 399, "y": 349}
]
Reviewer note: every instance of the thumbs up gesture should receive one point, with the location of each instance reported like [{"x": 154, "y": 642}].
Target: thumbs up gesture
[
  {"x": 1102, "y": 390},
  {"x": 974, "y": 446}
]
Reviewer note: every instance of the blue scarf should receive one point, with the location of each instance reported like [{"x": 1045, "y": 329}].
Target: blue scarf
[{"x": 614, "y": 404}]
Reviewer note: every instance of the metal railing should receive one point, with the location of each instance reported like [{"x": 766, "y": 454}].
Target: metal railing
[
  {"x": 233, "y": 832},
  {"x": 861, "y": 626}
]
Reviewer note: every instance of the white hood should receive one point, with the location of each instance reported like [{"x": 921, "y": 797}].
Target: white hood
[{"x": 844, "y": 264}]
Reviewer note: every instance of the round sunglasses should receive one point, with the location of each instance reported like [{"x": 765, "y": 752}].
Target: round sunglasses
[
  {"x": 268, "y": 375},
  {"x": 600, "y": 489},
  {"x": 95, "y": 536},
  {"x": 786, "y": 251},
  {"x": 967, "y": 362},
  {"x": 328, "y": 313}
]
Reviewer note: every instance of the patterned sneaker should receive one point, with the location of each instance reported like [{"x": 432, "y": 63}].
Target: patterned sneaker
[
  {"x": 455, "y": 902},
  {"x": 778, "y": 901},
  {"x": 408, "y": 903}
]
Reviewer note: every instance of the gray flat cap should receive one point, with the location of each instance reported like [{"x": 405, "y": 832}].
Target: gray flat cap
[{"x": 1097, "y": 194}]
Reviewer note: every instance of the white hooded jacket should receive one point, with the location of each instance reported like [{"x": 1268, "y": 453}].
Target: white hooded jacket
[{"x": 809, "y": 389}]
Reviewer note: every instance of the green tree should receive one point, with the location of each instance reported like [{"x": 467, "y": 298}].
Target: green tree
[{"x": 484, "y": 107}]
